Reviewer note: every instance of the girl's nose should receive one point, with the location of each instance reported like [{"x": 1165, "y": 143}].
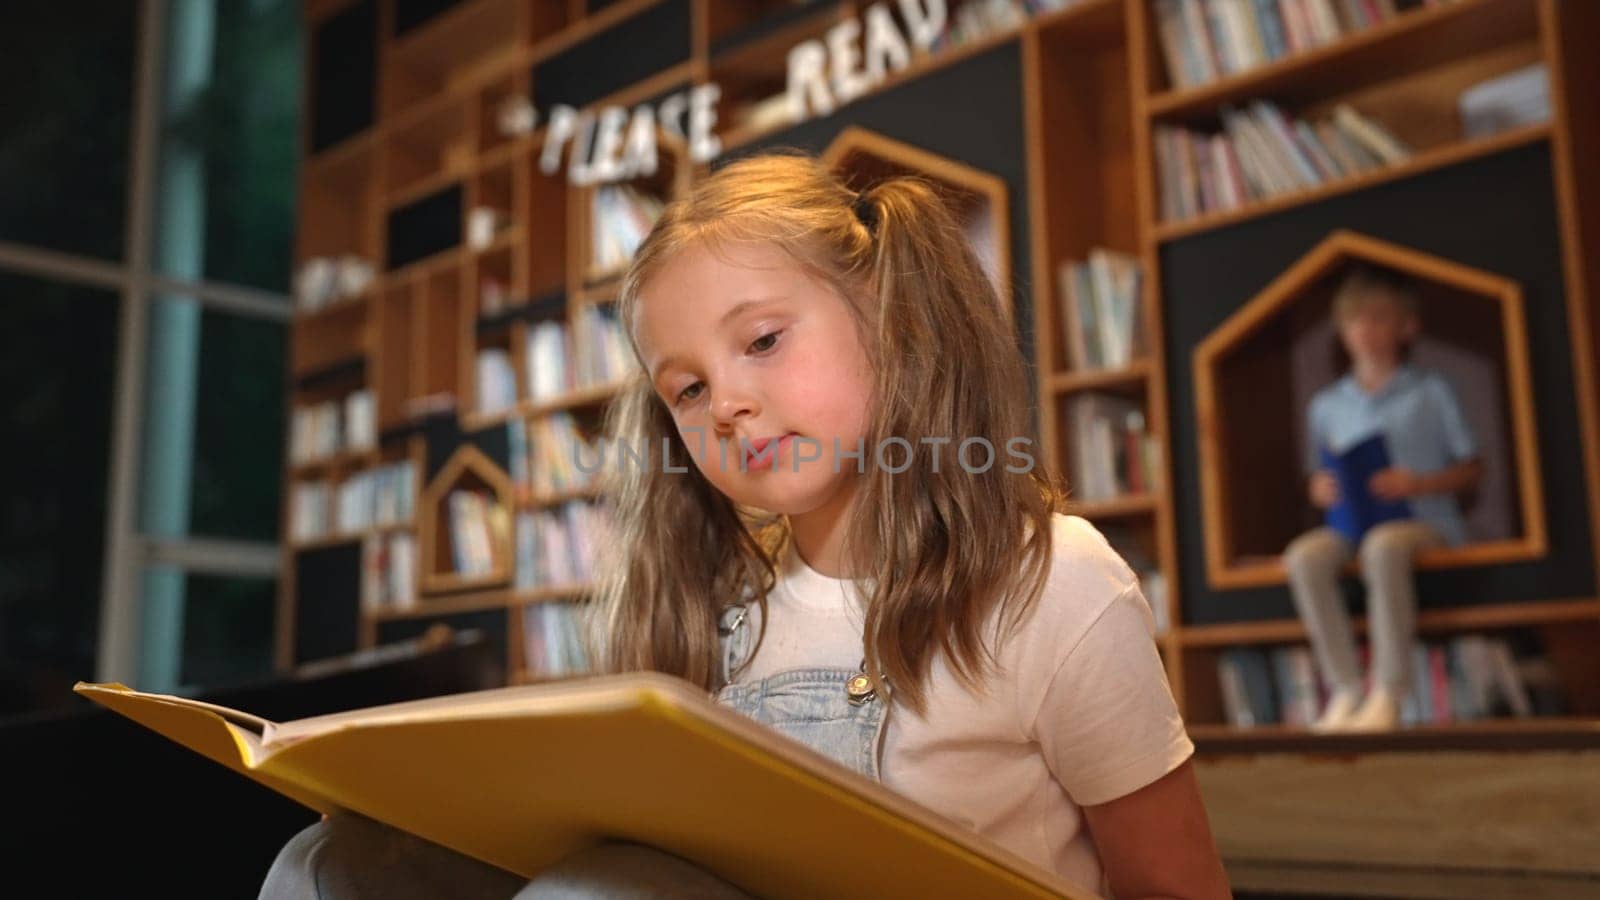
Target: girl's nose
[{"x": 728, "y": 405}]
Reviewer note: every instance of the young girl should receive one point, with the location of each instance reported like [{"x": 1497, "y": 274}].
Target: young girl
[{"x": 848, "y": 538}]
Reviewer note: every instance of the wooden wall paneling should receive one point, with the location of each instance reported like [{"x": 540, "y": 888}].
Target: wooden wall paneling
[{"x": 1569, "y": 32}]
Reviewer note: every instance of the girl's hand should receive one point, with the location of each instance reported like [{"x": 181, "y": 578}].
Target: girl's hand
[
  {"x": 1324, "y": 490},
  {"x": 1395, "y": 483}
]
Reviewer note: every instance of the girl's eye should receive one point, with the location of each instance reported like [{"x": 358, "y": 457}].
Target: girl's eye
[
  {"x": 765, "y": 342},
  {"x": 684, "y": 394}
]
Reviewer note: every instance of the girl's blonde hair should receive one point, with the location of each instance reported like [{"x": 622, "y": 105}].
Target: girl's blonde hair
[{"x": 943, "y": 547}]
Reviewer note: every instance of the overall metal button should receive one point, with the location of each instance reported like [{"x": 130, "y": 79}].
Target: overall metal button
[{"x": 859, "y": 689}]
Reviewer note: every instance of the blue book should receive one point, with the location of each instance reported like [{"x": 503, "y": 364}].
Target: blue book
[{"x": 1358, "y": 508}]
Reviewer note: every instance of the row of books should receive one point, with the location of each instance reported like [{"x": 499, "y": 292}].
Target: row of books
[
  {"x": 1203, "y": 40},
  {"x": 379, "y": 497},
  {"x": 389, "y": 571},
  {"x": 556, "y": 547},
  {"x": 977, "y": 19},
  {"x": 1514, "y": 99},
  {"x": 552, "y": 643},
  {"x": 321, "y": 430},
  {"x": 1113, "y": 452},
  {"x": 1100, "y": 320},
  {"x": 1260, "y": 153},
  {"x": 310, "y": 512},
  {"x": 323, "y": 281},
  {"x": 1462, "y": 679},
  {"x": 559, "y": 360},
  {"x": 549, "y": 455},
  {"x": 622, "y": 215},
  {"x": 477, "y": 527}
]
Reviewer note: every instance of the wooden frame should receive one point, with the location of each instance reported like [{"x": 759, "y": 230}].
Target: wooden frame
[
  {"x": 1223, "y": 570},
  {"x": 468, "y": 463},
  {"x": 865, "y": 157}
]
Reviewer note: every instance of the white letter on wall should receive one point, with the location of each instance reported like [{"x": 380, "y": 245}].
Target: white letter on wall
[
  {"x": 562, "y": 120},
  {"x": 806, "y": 77},
  {"x": 886, "y": 47},
  {"x": 703, "y": 145},
  {"x": 639, "y": 154},
  {"x": 607, "y": 165},
  {"x": 579, "y": 171},
  {"x": 925, "y": 23},
  {"x": 848, "y": 82},
  {"x": 671, "y": 115}
]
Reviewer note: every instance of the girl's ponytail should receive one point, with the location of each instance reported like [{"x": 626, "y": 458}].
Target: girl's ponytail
[{"x": 951, "y": 541}]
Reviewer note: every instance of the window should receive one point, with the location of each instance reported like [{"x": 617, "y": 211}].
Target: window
[{"x": 145, "y": 259}]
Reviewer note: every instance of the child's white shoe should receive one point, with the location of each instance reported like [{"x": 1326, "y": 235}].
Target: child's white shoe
[
  {"x": 1380, "y": 711},
  {"x": 1339, "y": 708}
]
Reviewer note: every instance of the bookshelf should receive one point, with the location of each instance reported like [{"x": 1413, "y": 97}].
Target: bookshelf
[{"x": 476, "y": 247}]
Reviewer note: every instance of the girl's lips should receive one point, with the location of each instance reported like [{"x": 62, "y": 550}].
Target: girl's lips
[{"x": 762, "y": 455}]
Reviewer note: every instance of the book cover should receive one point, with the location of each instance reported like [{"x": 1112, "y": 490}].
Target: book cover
[
  {"x": 1358, "y": 508},
  {"x": 522, "y": 777}
]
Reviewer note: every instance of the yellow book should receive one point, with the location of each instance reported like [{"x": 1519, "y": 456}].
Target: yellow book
[{"x": 521, "y": 777}]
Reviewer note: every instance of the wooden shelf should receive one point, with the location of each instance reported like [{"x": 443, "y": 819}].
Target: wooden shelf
[
  {"x": 506, "y": 239},
  {"x": 1119, "y": 508},
  {"x": 418, "y": 188},
  {"x": 348, "y": 306},
  {"x": 1408, "y": 43},
  {"x": 322, "y": 543},
  {"x": 1425, "y": 161},
  {"x": 1513, "y": 734},
  {"x": 351, "y": 537},
  {"x": 344, "y": 459},
  {"x": 428, "y": 265},
  {"x": 1088, "y": 21},
  {"x": 578, "y": 399},
  {"x": 557, "y": 498},
  {"x": 1432, "y": 621},
  {"x": 336, "y": 162},
  {"x": 477, "y": 601},
  {"x": 1133, "y": 377}
]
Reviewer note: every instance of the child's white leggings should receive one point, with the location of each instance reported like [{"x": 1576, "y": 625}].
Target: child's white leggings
[{"x": 1314, "y": 561}]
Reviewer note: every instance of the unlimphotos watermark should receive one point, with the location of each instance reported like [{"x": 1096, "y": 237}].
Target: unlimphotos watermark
[{"x": 975, "y": 455}]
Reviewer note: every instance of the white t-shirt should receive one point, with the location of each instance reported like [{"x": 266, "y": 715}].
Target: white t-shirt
[{"x": 1082, "y": 713}]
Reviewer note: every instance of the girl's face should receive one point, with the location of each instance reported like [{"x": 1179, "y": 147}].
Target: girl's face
[{"x": 764, "y": 373}]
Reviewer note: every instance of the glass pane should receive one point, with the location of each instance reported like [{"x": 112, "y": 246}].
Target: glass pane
[
  {"x": 65, "y": 118},
  {"x": 213, "y": 423},
  {"x": 57, "y": 367},
  {"x": 227, "y": 630},
  {"x": 226, "y": 182}
]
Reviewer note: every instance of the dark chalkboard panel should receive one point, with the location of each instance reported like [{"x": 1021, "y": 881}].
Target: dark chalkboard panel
[
  {"x": 424, "y": 227},
  {"x": 410, "y": 14},
  {"x": 632, "y": 50},
  {"x": 344, "y": 74},
  {"x": 327, "y": 587}
]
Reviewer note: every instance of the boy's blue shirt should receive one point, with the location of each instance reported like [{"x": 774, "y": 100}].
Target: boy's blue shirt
[{"x": 1422, "y": 422}]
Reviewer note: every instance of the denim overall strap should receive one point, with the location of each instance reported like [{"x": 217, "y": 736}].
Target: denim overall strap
[{"x": 830, "y": 710}]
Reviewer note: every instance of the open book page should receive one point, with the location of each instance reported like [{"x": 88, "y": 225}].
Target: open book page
[
  {"x": 255, "y": 724},
  {"x": 589, "y": 694}
]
